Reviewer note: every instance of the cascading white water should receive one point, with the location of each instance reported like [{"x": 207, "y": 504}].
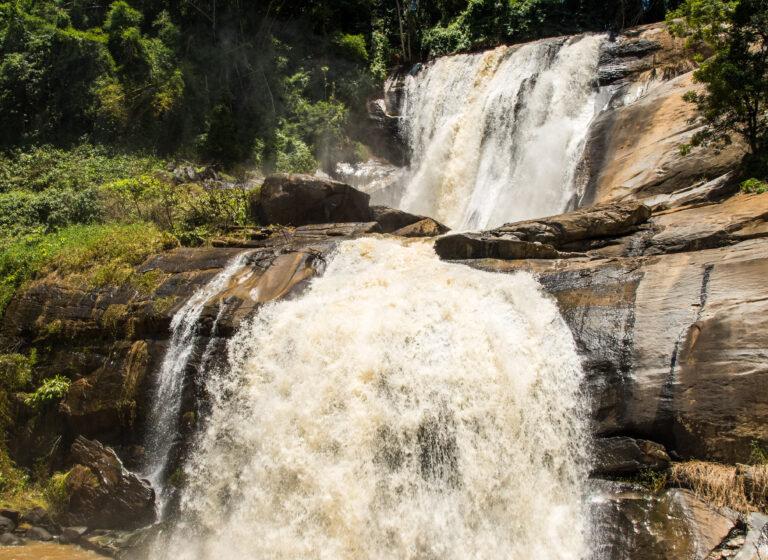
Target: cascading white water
[
  {"x": 166, "y": 400},
  {"x": 403, "y": 407},
  {"x": 496, "y": 137}
]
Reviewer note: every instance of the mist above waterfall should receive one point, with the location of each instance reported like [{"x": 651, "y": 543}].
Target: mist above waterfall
[
  {"x": 402, "y": 408},
  {"x": 496, "y": 137}
]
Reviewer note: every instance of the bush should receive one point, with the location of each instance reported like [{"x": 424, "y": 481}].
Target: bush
[
  {"x": 50, "y": 391},
  {"x": 754, "y": 186}
]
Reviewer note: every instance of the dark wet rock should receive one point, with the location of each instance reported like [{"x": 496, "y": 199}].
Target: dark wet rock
[
  {"x": 606, "y": 220},
  {"x": 12, "y": 514},
  {"x": 482, "y": 246},
  {"x": 72, "y": 535},
  {"x": 9, "y": 539},
  {"x": 391, "y": 219},
  {"x": 634, "y": 524},
  {"x": 6, "y": 525},
  {"x": 101, "y": 493},
  {"x": 39, "y": 517},
  {"x": 626, "y": 455},
  {"x": 423, "y": 228},
  {"x": 38, "y": 534},
  {"x": 298, "y": 200}
]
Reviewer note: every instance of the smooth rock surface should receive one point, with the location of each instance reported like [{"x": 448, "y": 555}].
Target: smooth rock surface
[
  {"x": 423, "y": 228},
  {"x": 634, "y": 524},
  {"x": 298, "y": 200}
]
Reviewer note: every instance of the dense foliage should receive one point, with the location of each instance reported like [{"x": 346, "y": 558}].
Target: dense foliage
[
  {"x": 278, "y": 84},
  {"x": 735, "y": 99}
]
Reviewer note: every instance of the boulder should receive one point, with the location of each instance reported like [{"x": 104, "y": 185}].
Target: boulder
[
  {"x": 626, "y": 455},
  {"x": 9, "y": 539},
  {"x": 460, "y": 246},
  {"x": 423, "y": 228},
  {"x": 39, "y": 517},
  {"x": 391, "y": 219},
  {"x": 605, "y": 220},
  {"x": 547, "y": 238},
  {"x": 101, "y": 493},
  {"x": 6, "y": 525},
  {"x": 633, "y": 524},
  {"x": 72, "y": 535},
  {"x": 38, "y": 534},
  {"x": 298, "y": 200}
]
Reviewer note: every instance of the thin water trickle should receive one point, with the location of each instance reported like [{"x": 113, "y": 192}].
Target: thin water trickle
[
  {"x": 166, "y": 401},
  {"x": 403, "y": 407}
]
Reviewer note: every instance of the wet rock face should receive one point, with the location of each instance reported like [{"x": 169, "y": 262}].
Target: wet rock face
[
  {"x": 670, "y": 320},
  {"x": 101, "y": 493},
  {"x": 632, "y": 523},
  {"x": 625, "y": 455}
]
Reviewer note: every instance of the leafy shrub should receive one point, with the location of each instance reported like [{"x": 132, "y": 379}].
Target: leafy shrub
[
  {"x": 450, "y": 39},
  {"x": 50, "y": 391},
  {"x": 353, "y": 46},
  {"x": 16, "y": 371},
  {"x": 754, "y": 186}
]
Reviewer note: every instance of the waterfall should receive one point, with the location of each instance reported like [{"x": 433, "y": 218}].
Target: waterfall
[
  {"x": 403, "y": 407},
  {"x": 496, "y": 137},
  {"x": 163, "y": 418}
]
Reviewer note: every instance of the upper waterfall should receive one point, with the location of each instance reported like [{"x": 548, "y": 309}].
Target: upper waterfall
[
  {"x": 368, "y": 419},
  {"x": 496, "y": 137}
]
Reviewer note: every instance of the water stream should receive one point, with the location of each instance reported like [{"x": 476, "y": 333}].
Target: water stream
[
  {"x": 166, "y": 401},
  {"x": 496, "y": 137},
  {"x": 403, "y": 407}
]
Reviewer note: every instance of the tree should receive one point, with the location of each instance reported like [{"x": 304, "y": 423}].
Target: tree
[{"x": 735, "y": 99}]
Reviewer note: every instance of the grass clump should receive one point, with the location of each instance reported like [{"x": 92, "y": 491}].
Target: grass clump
[
  {"x": 742, "y": 488},
  {"x": 55, "y": 493},
  {"x": 97, "y": 255}
]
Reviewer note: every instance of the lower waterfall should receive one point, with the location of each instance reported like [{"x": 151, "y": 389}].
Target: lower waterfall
[
  {"x": 402, "y": 407},
  {"x": 496, "y": 137}
]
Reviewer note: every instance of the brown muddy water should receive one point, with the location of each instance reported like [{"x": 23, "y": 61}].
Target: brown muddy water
[{"x": 47, "y": 551}]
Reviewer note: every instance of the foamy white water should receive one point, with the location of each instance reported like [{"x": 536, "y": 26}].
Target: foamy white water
[
  {"x": 496, "y": 137},
  {"x": 166, "y": 401},
  {"x": 403, "y": 408}
]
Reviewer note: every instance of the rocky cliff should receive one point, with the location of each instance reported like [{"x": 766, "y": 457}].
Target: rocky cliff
[{"x": 660, "y": 274}]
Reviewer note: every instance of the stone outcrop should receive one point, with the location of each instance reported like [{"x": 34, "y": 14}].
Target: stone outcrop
[
  {"x": 101, "y": 494},
  {"x": 632, "y": 523},
  {"x": 626, "y": 455},
  {"x": 551, "y": 237},
  {"x": 672, "y": 323},
  {"x": 298, "y": 200},
  {"x": 423, "y": 228}
]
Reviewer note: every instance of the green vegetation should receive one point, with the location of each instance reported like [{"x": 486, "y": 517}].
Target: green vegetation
[
  {"x": 754, "y": 186},
  {"x": 50, "y": 391},
  {"x": 735, "y": 98},
  {"x": 55, "y": 493}
]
